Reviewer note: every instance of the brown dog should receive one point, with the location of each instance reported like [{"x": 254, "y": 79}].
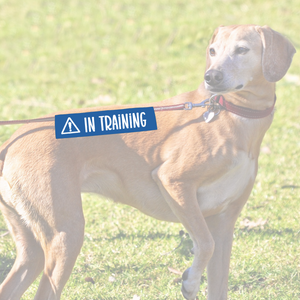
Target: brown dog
[{"x": 187, "y": 171}]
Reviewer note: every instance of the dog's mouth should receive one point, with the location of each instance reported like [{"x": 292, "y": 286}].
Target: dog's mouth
[
  {"x": 239, "y": 87},
  {"x": 220, "y": 89},
  {"x": 215, "y": 89}
]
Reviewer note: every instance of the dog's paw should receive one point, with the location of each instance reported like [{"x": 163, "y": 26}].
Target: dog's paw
[{"x": 190, "y": 286}]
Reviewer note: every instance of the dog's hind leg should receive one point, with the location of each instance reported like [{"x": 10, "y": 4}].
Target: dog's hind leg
[
  {"x": 182, "y": 199},
  {"x": 30, "y": 257},
  {"x": 62, "y": 247}
]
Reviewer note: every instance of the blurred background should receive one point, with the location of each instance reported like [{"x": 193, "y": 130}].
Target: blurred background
[{"x": 63, "y": 54}]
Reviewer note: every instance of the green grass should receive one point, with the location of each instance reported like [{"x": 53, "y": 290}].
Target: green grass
[{"x": 57, "y": 55}]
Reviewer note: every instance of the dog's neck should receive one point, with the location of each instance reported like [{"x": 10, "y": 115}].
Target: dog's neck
[{"x": 257, "y": 99}]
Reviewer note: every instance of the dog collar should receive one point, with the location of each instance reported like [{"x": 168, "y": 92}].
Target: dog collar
[
  {"x": 216, "y": 103},
  {"x": 243, "y": 111}
]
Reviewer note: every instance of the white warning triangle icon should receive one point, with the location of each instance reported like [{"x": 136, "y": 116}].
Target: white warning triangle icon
[{"x": 70, "y": 127}]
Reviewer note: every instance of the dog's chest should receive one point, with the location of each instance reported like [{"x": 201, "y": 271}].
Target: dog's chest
[{"x": 229, "y": 187}]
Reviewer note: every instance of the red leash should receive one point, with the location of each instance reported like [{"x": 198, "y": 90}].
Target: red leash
[
  {"x": 12, "y": 122},
  {"x": 214, "y": 104},
  {"x": 183, "y": 106}
]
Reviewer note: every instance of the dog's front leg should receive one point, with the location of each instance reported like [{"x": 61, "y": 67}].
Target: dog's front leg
[
  {"x": 221, "y": 227},
  {"x": 218, "y": 266},
  {"x": 182, "y": 199}
]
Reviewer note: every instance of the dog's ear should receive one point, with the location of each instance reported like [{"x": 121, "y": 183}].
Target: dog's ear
[
  {"x": 208, "y": 62},
  {"x": 277, "y": 53}
]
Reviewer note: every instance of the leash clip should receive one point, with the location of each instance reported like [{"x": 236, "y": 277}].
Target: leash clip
[
  {"x": 210, "y": 103},
  {"x": 213, "y": 105},
  {"x": 188, "y": 105},
  {"x": 213, "y": 109}
]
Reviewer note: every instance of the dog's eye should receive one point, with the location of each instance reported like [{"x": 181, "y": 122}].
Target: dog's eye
[
  {"x": 212, "y": 52},
  {"x": 241, "y": 50}
]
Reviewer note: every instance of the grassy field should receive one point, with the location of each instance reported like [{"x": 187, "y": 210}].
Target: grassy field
[{"x": 57, "y": 55}]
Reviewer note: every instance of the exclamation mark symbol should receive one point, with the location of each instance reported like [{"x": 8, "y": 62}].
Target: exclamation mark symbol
[{"x": 70, "y": 126}]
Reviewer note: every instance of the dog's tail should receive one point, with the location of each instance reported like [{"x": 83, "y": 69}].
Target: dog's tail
[
  {"x": 8, "y": 211},
  {"x": 3, "y": 151},
  {"x": 1, "y": 166},
  {"x": 3, "y": 182}
]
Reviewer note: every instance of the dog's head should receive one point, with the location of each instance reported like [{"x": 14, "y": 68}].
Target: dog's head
[{"x": 239, "y": 55}]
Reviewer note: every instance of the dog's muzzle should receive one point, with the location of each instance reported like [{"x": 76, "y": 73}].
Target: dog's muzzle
[{"x": 213, "y": 77}]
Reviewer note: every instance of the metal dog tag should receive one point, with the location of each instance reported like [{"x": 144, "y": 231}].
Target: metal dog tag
[{"x": 208, "y": 116}]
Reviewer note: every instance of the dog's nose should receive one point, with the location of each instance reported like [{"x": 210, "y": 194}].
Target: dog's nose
[{"x": 213, "y": 77}]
